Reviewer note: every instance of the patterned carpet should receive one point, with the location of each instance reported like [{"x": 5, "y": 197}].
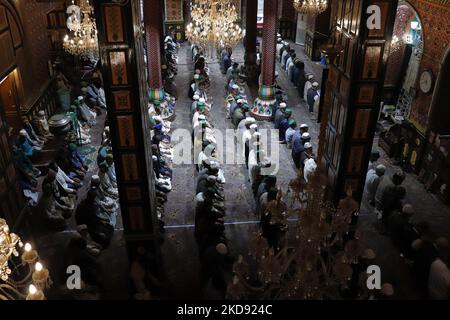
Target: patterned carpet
[{"x": 91, "y": 154}]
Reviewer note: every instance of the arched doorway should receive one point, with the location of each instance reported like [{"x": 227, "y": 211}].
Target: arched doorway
[{"x": 404, "y": 60}]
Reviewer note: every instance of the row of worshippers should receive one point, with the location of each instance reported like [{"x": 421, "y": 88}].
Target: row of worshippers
[
  {"x": 209, "y": 204},
  {"x": 269, "y": 206},
  {"x": 296, "y": 137},
  {"x": 160, "y": 113},
  {"x": 307, "y": 87},
  {"x": 237, "y": 105},
  {"x": 84, "y": 110},
  {"x": 200, "y": 82},
  {"x": 428, "y": 256},
  {"x": 60, "y": 188},
  {"x": 31, "y": 140},
  {"x": 169, "y": 66},
  {"x": 29, "y": 143},
  {"x": 263, "y": 185},
  {"x": 225, "y": 59},
  {"x": 98, "y": 211}
]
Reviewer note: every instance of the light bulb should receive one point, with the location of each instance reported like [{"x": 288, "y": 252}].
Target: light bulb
[
  {"x": 32, "y": 289},
  {"x": 38, "y": 266},
  {"x": 27, "y": 247}
]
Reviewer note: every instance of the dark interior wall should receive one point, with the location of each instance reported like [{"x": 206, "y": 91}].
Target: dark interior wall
[
  {"x": 440, "y": 114},
  {"x": 33, "y": 61}
]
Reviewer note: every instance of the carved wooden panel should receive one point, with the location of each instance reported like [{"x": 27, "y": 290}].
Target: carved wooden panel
[
  {"x": 119, "y": 70},
  {"x": 356, "y": 81},
  {"x": 114, "y": 24},
  {"x": 174, "y": 10},
  {"x": 122, "y": 100},
  {"x": 122, "y": 56}
]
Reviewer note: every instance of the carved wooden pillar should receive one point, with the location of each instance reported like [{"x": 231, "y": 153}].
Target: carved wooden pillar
[
  {"x": 262, "y": 108},
  {"x": 353, "y": 90},
  {"x": 122, "y": 59},
  {"x": 250, "y": 38}
]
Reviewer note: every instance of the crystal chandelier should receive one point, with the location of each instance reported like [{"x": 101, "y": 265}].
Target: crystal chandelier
[
  {"x": 314, "y": 261},
  {"x": 310, "y": 6},
  {"x": 213, "y": 23},
  {"x": 31, "y": 273},
  {"x": 82, "y": 40}
]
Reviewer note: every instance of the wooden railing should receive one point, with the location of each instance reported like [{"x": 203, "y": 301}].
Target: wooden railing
[{"x": 47, "y": 101}]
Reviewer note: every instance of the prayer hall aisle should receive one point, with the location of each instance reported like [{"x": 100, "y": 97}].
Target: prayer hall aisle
[{"x": 180, "y": 248}]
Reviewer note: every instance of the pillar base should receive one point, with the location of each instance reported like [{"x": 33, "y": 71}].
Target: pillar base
[{"x": 262, "y": 107}]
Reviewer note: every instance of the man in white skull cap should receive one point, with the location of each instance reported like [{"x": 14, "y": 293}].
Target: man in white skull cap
[
  {"x": 246, "y": 138},
  {"x": 309, "y": 163},
  {"x": 196, "y": 97},
  {"x": 308, "y": 85},
  {"x": 279, "y": 114},
  {"x": 313, "y": 95},
  {"x": 304, "y": 128},
  {"x": 279, "y": 46}
]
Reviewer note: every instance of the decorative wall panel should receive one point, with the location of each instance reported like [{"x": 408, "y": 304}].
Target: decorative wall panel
[{"x": 122, "y": 56}]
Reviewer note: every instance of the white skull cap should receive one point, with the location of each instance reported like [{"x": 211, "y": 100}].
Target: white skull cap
[
  {"x": 196, "y": 97},
  {"x": 202, "y": 117},
  {"x": 235, "y": 86},
  {"x": 283, "y": 105},
  {"x": 315, "y": 84},
  {"x": 240, "y": 101},
  {"x": 310, "y": 76},
  {"x": 306, "y": 135},
  {"x": 202, "y": 100},
  {"x": 248, "y": 120},
  {"x": 253, "y": 126},
  {"x": 303, "y": 126},
  {"x": 80, "y": 98},
  {"x": 95, "y": 177},
  {"x": 308, "y": 145},
  {"x": 196, "y": 76}
]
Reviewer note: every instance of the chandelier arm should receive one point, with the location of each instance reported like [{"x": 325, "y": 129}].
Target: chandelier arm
[
  {"x": 6, "y": 286},
  {"x": 21, "y": 282}
]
